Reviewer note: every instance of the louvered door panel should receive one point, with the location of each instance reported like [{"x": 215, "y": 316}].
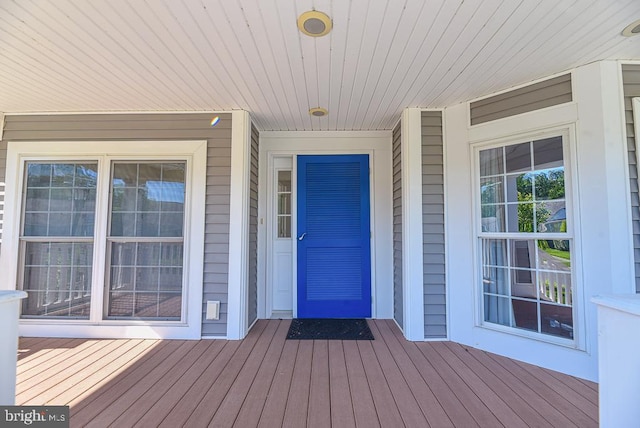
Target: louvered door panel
[{"x": 334, "y": 270}]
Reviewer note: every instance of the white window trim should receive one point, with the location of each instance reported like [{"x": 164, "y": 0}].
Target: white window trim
[
  {"x": 194, "y": 153},
  {"x": 569, "y": 152}
]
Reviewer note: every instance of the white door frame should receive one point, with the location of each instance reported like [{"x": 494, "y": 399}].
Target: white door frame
[{"x": 377, "y": 144}]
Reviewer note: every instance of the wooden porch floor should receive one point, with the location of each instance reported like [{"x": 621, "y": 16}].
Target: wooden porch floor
[{"x": 265, "y": 380}]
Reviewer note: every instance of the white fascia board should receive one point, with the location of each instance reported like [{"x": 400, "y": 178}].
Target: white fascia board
[
  {"x": 239, "y": 225},
  {"x": 412, "y": 251}
]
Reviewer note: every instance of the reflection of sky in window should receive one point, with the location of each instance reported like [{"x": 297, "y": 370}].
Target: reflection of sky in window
[{"x": 165, "y": 191}]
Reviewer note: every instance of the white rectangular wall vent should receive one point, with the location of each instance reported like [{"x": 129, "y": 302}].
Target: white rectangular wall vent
[{"x": 213, "y": 309}]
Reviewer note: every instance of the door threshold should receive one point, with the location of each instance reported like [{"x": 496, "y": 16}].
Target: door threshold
[{"x": 285, "y": 315}]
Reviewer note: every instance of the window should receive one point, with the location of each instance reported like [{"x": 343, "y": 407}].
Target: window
[
  {"x": 145, "y": 239},
  {"x": 284, "y": 204},
  {"x": 524, "y": 240},
  {"x": 145, "y": 242},
  {"x": 57, "y": 238}
]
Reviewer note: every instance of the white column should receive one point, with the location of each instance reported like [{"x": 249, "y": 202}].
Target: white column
[
  {"x": 619, "y": 371},
  {"x": 239, "y": 225},
  {"x": 412, "y": 252},
  {"x": 9, "y": 313}
]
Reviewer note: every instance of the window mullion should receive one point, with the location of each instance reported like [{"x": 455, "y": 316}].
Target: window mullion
[{"x": 100, "y": 242}]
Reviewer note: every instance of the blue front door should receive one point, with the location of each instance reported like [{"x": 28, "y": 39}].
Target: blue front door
[{"x": 334, "y": 252}]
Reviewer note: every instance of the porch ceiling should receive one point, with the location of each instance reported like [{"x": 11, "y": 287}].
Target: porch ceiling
[{"x": 382, "y": 55}]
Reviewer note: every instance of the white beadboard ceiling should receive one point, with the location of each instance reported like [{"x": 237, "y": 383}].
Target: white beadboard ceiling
[{"x": 382, "y": 55}]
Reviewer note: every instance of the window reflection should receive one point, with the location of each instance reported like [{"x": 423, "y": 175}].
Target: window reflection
[{"x": 526, "y": 280}]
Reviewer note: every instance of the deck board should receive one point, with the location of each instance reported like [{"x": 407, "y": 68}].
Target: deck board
[
  {"x": 523, "y": 400},
  {"x": 364, "y": 409},
  {"x": 140, "y": 406},
  {"x": 276, "y": 401},
  {"x": 454, "y": 408},
  {"x": 252, "y": 407},
  {"x": 268, "y": 381},
  {"x": 408, "y": 407},
  {"x": 340, "y": 390},
  {"x": 428, "y": 402},
  {"x": 298, "y": 403},
  {"x": 210, "y": 403},
  {"x": 159, "y": 410}
]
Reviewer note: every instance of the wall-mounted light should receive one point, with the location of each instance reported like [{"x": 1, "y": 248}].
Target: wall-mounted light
[{"x": 314, "y": 23}]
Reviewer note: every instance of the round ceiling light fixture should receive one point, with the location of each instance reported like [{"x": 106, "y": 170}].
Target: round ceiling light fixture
[
  {"x": 314, "y": 23},
  {"x": 632, "y": 29},
  {"x": 318, "y": 112}
]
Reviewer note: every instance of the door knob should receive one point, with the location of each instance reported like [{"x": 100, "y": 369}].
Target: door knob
[{"x": 301, "y": 237}]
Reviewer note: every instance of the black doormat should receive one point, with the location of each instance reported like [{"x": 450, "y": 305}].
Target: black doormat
[{"x": 329, "y": 329}]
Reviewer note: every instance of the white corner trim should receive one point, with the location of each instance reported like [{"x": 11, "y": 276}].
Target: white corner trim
[
  {"x": 239, "y": 225},
  {"x": 1, "y": 125},
  {"x": 635, "y": 103},
  {"x": 412, "y": 251}
]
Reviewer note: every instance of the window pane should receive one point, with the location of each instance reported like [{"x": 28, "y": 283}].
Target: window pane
[
  {"x": 497, "y": 310},
  {"x": 61, "y": 200},
  {"x": 491, "y": 162},
  {"x": 494, "y": 252},
  {"x": 148, "y": 199},
  {"x": 557, "y": 320},
  {"x": 147, "y": 279},
  {"x": 38, "y": 175},
  {"x": 491, "y": 190},
  {"x": 148, "y": 254},
  {"x": 125, "y": 175},
  {"x": 554, "y": 255},
  {"x": 171, "y": 224},
  {"x": 120, "y": 304},
  {"x": 518, "y": 157},
  {"x": 170, "y": 279},
  {"x": 284, "y": 226},
  {"x": 519, "y": 188},
  {"x": 123, "y": 199},
  {"x": 493, "y": 218},
  {"x": 551, "y": 217},
  {"x": 284, "y": 203},
  {"x": 158, "y": 305},
  {"x": 62, "y": 175},
  {"x": 523, "y": 283},
  {"x": 57, "y": 277},
  {"x": 523, "y": 254},
  {"x": 284, "y": 181},
  {"x": 525, "y": 314},
  {"x": 37, "y": 199},
  {"x": 555, "y": 287},
  {"x": 122, "y": 278},
  {"x": 547, "y": 153},
  {"x": 520, "y": 217},
  {"x": 495, "y": 280},
  {"x": 144, "y": 276},
  {"x": 36, "y": 224},
  {"x": 148, "y": 224},
  {"x": 549, "y": 184},
  {"x": 56, "y": 194}
]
